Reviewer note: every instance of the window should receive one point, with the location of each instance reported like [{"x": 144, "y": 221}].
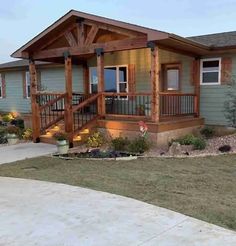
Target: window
[
  {"x": 173, "y": 79},
  {"x": 1, "y": 86},
  {"x": 115, "y": 79},
  {"x": 27, "y": 84},
  {"x": 210, "y": 71}
]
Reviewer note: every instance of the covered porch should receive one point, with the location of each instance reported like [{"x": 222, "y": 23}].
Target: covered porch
[{"x": 88, "y": 41}]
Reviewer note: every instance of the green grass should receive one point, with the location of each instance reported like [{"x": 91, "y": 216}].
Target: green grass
[{"x": 203, "y": 188}]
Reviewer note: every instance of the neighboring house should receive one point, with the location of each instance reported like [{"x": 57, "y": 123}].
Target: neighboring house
[{"x": 87, "y": 70}]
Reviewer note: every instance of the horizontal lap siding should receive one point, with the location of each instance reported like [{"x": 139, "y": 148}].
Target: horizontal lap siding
[
  {"x": 14, "y": 100},
  {"x": 186, "y": 61},
  {"x": 140, "y": 58},
  {"x": 53, "y": 79},
  {"x": 213, "y": 98}
]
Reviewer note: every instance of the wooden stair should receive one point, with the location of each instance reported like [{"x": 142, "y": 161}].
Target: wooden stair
[{"x": 79, "y": 138}]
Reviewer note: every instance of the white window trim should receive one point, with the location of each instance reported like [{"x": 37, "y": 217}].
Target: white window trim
[
  {"x": 117, "y": 77},
  {"x": 1, "y": 96},
  {"x": 219, "y": 70},
  {"x": 26, "y": 84}
]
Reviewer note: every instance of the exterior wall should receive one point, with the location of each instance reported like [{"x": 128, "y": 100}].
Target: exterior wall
[
  {"x": 52, "y": 79},
  {"x": 212, "y": 100},
  {"x": 14, "y": 100}
]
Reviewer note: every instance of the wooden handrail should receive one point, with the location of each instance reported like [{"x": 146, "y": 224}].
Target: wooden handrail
[
  {"x": 52, "y": 101},
  {"x": 85, "y": 102},
  {"x": 176, "y": 94},
  {"x": 38, "y": 93},
  {"x": 126, "y": 94}
]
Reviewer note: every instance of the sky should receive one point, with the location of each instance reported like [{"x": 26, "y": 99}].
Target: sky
[{"x": 21, "y": 20}]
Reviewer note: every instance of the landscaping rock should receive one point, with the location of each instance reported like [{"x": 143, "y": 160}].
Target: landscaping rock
[{"x": 175, "y": 149}]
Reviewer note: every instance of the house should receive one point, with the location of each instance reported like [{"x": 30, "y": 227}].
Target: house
[{"x": 86, "y": 70}]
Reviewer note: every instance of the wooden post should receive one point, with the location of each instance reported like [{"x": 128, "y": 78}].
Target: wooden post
[
  {"x": 34, "y": 104},
  {"x": 68, "y": 99},
  {"x": 100, "y": 73},
  {"x": 196, "y": 79},
  {"x": 155, "y": 82}
]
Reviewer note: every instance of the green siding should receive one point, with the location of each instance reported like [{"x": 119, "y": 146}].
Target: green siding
[
  {"x": 14, "y": 100},
  {"x": 212, "y": 100},
  {"x": 52, "y": 79}
]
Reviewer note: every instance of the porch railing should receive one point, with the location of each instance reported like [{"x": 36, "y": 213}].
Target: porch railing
[
  {"x": 177, "y": 104},
  {"x": 128, "y": 104},
  {"x": 51, "y": 107},
  {"x": 85, "y": 112}
]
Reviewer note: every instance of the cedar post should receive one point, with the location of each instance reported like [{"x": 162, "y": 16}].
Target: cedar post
[
  {"x": 155, "y": 82},
  {"x": 100, "y": 73},
  {"x": 34, "y": 104},
  {"x": 68, "y": 99},
  {"x": 196, "y": 79}
]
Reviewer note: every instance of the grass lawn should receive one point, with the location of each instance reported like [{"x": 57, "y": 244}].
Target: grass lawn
[{"x": 204, "y": 188}]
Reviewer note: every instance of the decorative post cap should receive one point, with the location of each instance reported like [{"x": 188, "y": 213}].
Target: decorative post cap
[
  {"x": 99, "y": 51},
  {"x": 151, "y": 45},
  {"x": 66, "y": 54}
]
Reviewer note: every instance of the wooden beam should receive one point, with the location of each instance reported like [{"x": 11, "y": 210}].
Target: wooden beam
[
  {"x": 110, "y": 28},
  {"x": 196, "y": 79},
  {"x": 100, "y": 73},
  {"x": 92, "y": 34},
  {"x": 34, "y": 104},
  {"x": 80, "y": 33},
  {"x": 68, "y": 100},
  {"x": 117, "y": 45},
  {"x": 155, "y": 83},
  {"x": 52, "y": 40},
  {"x": 70, "y": 39}
]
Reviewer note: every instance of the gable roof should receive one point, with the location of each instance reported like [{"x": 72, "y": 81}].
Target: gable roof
[
  {"x": 73, "y": 15},
  {"x": 217, "y": 40}
]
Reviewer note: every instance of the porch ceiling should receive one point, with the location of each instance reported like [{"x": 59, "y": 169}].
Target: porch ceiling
[{"x": 63, "y": 36}]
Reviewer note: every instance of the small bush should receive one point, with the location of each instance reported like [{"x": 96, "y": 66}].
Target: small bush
[
  {"x": 95, "y": 140},
  {"x": 207, "y": 132},
  {"x": 199, "y": 143},
  {"x": 7, "y": 117},
  {"x": 28, "y": 134},
  {"x": 12, "y": 130},
  {"x": 186, "y": 140},
  {"x": 60, "y": 136},
  {"x": 3, "y": 138},
  {"x": 138, "y": 145},
  {"x": 224, "y": 148},
  {"x": 18, "y": 123},
  {"x": 120, "y": 144}
]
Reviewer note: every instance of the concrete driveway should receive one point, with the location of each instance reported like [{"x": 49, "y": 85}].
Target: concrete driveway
[
  {"x": 50, "y": 214},
  {"x": 22, "y": 151}
]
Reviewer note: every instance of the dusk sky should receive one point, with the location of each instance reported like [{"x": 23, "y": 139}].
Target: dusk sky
[{"x": 21, "y": 20}]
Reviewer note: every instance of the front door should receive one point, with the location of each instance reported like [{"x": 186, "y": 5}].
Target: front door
[{"x": 170, "y": 101}]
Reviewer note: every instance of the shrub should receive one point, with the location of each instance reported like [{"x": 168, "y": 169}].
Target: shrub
[
  {"x": 139, "y": 145},
  {"x": 120, "y": 144},
  {"x": 60, "y": 136},
  {"x": 207, "y": 132},
  {"x": 28, "y": 134},
  {"x": 199, "y": 143},
  {"x": 186, "y": 140},
  {"x": 95, "y": 140},
  {"x": 18, "y": 123},
  {"x": 7, "y": 117},
  {"x": 12, "y": 130},
  {"x": 224, "y": 148},
  {"x": 3, "y": 138}
]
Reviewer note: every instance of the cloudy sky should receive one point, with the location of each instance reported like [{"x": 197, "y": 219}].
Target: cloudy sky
[{"x": 21, "y": 20}]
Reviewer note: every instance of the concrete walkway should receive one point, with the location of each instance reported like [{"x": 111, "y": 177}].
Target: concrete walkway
[
  {"x": 50, "y": 214},
  {"x": 22, "y": 151}
]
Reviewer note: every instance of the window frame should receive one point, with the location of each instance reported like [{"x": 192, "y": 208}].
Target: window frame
[
  {"x": 170, "y": 66},
  {"x": 219, "y": 70},
  {"x": 1, "y": 86},
  {"x": 27, "y": 83},
  {"x": 118, "y": 82}
]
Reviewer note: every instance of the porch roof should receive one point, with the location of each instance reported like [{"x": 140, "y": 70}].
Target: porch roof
[{"x": 164, "y": 39}]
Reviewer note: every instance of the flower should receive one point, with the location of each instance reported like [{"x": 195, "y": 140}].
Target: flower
[{"x": 143, "y": 128}]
